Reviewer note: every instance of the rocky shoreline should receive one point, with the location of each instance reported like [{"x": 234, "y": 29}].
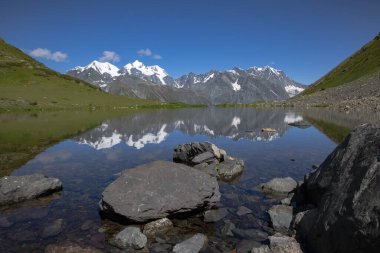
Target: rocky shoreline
[{"x": 336, "y": 200}]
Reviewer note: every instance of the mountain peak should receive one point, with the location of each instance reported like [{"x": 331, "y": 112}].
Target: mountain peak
[
  {"x": 154, "y": 70},
  {"x": 100, "y": 67}
]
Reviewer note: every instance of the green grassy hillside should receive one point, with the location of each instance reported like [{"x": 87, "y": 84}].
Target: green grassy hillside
[
  {"x": 364, "y": 62},
  {"x": 26, "y": 84}
]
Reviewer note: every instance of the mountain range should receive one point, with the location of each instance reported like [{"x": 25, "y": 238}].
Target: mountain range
[{"x": 214, "y": 87}]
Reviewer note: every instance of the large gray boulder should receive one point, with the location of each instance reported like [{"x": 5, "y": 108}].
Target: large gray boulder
[
  {"x": 157, "y": 190},
  {"x": 345, "y": 189},
  {"x": 192, "y": 245},
  {"x": 208, "y": 158},
  {"x": 14, "y": 189}
]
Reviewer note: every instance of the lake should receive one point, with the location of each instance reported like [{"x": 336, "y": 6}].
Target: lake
[{"x": 88, "y": 150}]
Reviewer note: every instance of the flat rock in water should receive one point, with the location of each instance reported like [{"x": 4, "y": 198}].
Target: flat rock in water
[
  {"x": 70, "y": 248},
  {"x": 14, "y": 189},
  {"x": 130, "y": 237},
  {"x": 345, "y": 189},
  {"x": 215, "y": 215},
  {"x": 300, "y": 124},
  {"x": 243, "y": 211},
  {"x": 281, "y": 216},
  {"x": 191, "y": 245},
  {"x": 279, "y": 185},
  {"x": 157, "y": 190},
  {"x": 53, "y": 229}
]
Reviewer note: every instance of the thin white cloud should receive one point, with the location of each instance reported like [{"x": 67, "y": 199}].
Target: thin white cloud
[
  {"x": 157, "y": 56},
  {"x": 110, "y": 56},
  {"x": 145, "y": 52},
  {"x": 148, "y": 52},
  {"x": 57, "y": 56}
]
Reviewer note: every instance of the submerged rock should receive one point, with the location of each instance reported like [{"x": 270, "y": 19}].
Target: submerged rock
[
  {"x": 279, "y": 185},
  {"x": 345, "y": 189},
  {"x": 160, "y": 226},
  {"x": 53, "y": 229},
  {"x": 215, "y": 215},
  {"x": 14, "y": 189},
  {"x": 207, "y": 157},
  {"x": 70, "y": 248},
  {"x": 130, "y": 237},
  {"x": 191, "y": 245},
  {"x": 157, "y": 190}
]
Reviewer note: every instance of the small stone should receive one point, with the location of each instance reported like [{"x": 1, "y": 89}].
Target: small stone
[
  {"x": 215, "y": 215},
  {"x": 269, "y": 130},
  {"x": 243, "y": 211},
  {"x": 281, "y": 216},
  {"x": 191, "y": 245},
  {"x": 53, "y": 229},
  {"x": 87, "y": 225},
  {"x": 280, "y": 185},
  {"x": 284, "y": 244},
  {"x": 245, "y": 246},
  {"x": 160, "y": 226},
  {"x": 228, "y": 227},
  {"x": 5, "y": 223},
  {"x": 130, "y": 237}
]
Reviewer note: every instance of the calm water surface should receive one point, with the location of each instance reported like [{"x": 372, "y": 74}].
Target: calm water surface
[{"x": 87, "y": 163}]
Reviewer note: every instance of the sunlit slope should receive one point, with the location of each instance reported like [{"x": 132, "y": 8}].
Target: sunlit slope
[
  {"x": 27, "y": 84},
  {"x": 364, "y": 62}
]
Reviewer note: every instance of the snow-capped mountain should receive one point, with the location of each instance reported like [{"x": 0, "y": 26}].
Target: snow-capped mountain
[
  {"x": 97, "y": 73},
  {"x": 214, "y": 87},
  {"x": 154, "y": 74}
]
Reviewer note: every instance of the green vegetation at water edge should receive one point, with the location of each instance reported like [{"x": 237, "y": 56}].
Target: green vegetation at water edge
[
  {"x": 333, "y": 131},
  {"x": 26, "y": 84},
  {"x": 364, "y": 62},
  {"x": 23, "y": 136}
]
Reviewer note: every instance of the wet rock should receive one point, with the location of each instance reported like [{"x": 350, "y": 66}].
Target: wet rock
[
  {"x": 160, "y": 247},
  {"x": 281, "y": 216},
  {"x": 252, "y": 234},
  {"x": 279, "y": 185},
  {"x": 203, "y": 158},
  {"x": 261, "y": 249},
  {"x": 130, "y": 237},
  {"x": 70, "y": 248},
  {"x": 228, "y": 228},
  {"x": 207, "y": 157},
  {"x": 288, "y": 200},
  {"x": 15, "y": 189},
  {"x": 215, "y": 215},
  {"x": 300, "y": 124},
  {"x": 243, "y": 211},
  {"x": 157, "y": 190},
  {"x": 160, "y": 226},
  {"x": 53, "y": 229},
  {"x": 345, "y": 188},
  {"x": 245, "y": 246},
  {"x": 191, "y": 245},
  {"x": 284, "y": 244},
  {"x": 185, "y": 153}
]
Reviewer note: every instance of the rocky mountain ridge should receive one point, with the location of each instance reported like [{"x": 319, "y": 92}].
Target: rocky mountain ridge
[{"x": 214, "y": 87}]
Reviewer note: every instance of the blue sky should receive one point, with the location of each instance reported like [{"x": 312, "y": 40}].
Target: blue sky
[{"x": 304, "y": 38}]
